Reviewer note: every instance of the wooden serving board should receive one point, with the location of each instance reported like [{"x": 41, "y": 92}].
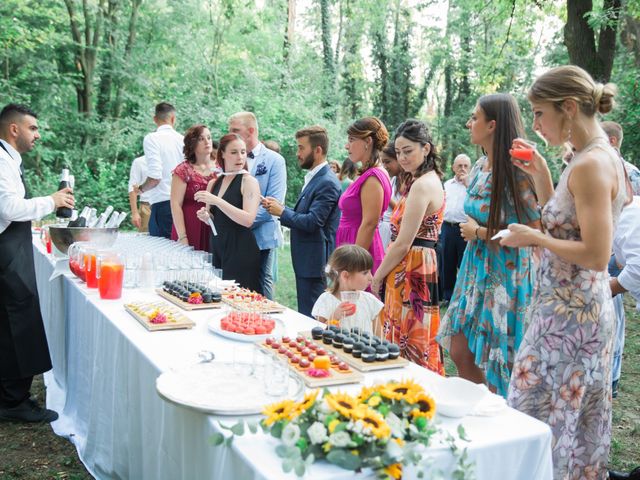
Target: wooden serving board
[
  {"x": 358, "y": 363},
  {"x": 335, "y": 376},
  {"x": 180, "y": 322},
  {"x": 259, "y": 307},
  {"x": 186, "y": 305}
]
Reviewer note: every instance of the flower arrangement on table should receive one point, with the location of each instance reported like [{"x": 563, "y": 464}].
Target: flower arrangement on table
[{"x": 381, "y": 428}]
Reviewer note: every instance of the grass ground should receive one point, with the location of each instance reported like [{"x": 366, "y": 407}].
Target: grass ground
[{"x": 34, "y": 452}]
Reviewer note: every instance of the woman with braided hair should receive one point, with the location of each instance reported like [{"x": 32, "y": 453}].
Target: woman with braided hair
[{"x": 365, "y": 200}]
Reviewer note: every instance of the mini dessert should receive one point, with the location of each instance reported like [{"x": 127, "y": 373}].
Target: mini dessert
[
  {"x": 338, "y": 340},
  {"x": 295, "y": 359},
  {"x": 289, "y": 354},
  {"x": 311, "y": 356},
  {"x": 318, "y": 372},
  {"x": 292, "y": 344},
  {"x": 327, "y": 337},
  {"x": 343, "y": 366},
  {"x": 394, "y": 351},
  {"x": 334, "y": 329},
  {"x": 321, "y": 351},
  {"x": 304, "y": 363},
  {"x": 282, "y": 350},
  {"x": 322, "y": 362},
  {"x": 269, "y": 341},
  {"x": 244, "y": 323},
  {"x": 300, "y": 339},
  {"x": 286, "y": 339},
  {"x": 347, "y": 344},
  {"x": 356, "y": 330},
  {"x": 275, "y": 344},
  {"x": 357, "y": 349},
  {"x": 382, "y": 353},
  {"x": 305, "y": 351},
  {"x": 368, "y": 354}
]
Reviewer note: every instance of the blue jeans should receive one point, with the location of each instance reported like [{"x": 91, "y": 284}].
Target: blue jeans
[
  {"x": 266, "y": 272},
  {"x": 160, "y": 221}
]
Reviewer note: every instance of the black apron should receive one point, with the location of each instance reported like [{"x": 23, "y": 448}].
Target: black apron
[{"x": 23, "y": 343}]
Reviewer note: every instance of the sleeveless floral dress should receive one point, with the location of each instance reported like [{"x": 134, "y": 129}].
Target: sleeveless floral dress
[
  {"x": 562, "y": 372},
  {"x": 411, "y": 314}
]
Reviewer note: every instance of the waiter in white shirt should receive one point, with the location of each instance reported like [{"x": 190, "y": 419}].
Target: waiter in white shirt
[
  {"x": 141, "y": 212},
  {"x": 451, "y": 241},
  {"x": 163, "y": 150},
  {"x": 23, "y": 344}
]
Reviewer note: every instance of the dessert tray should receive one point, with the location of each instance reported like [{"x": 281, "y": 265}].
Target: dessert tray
[
  {"x": 217, "y": 388},
  {"x": 303, "y": 362},
  {"x": 248, "y": 301},
  {"x": 190, "y": 296},
  {"x": 216, "y": 325},
  {"x": 158, "y": 316}
]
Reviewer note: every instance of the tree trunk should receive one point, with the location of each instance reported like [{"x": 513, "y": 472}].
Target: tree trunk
[
  {"x": 106, "y": 81},
  {"x": 85, "y": 47},
  {"x": 580, "y": 38},
  {"x": 288, "y": 32},
  {"x": 131, "y": 39},
  {"x": 630, "y": 37}
]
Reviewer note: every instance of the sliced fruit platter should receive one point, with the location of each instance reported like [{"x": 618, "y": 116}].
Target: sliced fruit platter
[
  {"x": 158, "y": 316},
  {"x": 245, "y": 326},
  {"x": 248, "y": 301},
  {"x": 317, "y": 366},
  {"x": 363, "y": 350},
  {"x": 190, "y": 296}
]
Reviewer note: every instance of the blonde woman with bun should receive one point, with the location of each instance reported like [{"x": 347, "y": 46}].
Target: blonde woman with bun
[
  {"x": 365, "y": 200},
  {"x": 562, "y": 371}
]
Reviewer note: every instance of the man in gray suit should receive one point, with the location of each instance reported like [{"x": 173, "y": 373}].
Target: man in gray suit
[{"x": 314, "y": 219}]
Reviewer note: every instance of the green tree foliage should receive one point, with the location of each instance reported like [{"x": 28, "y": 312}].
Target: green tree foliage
[{"x": 94, "y": 69}]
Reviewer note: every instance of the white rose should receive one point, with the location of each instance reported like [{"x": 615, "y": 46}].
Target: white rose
[
  {"x": 317, "y": 433},
  {"x": 290, "y": 434},
  {"x": 340, "y": 439}
]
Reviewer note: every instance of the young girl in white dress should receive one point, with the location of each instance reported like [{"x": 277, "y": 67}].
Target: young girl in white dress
[{"x": 348, "y": 270}]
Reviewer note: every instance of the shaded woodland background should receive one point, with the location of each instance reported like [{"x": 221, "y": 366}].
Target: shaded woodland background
[{"x": 94, "y": 69}]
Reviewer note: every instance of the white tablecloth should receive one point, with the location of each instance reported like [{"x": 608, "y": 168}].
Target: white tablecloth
[{"x": 103, "y": 386}]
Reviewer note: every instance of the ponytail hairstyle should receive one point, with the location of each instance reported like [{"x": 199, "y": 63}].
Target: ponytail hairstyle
[
  {"x": 370, "y": 127},
  {"x": 346, "y": 258},
  {"x": 503, "y": 108}
]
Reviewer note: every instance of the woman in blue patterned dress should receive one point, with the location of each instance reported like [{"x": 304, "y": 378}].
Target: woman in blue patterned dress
[
  {"x": 562, "y": 372},
  {"x": 484, "y": 323}
]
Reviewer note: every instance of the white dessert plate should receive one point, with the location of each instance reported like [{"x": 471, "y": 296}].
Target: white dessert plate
[
  {"x": 214, "y": 326},
  {"x": 218, "y": 388}
]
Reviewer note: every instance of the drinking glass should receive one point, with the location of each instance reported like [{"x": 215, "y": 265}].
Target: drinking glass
[
  {"x": 525, "y": 154},
  {"x": 276, "y": 377},
  {"x": 350, "y": 297}
]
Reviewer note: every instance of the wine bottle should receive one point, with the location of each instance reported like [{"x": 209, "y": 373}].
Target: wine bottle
[
  {"x": 81, "y": 221},
  {"x": 64, "y": 212}
]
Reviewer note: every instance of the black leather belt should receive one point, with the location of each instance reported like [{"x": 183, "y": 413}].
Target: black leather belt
[
  {"x": 453, "y": 224},
  {"x": 420, "y": 242}
]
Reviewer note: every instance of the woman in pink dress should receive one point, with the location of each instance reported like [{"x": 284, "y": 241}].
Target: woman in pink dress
[
  {"x": 189, "y": 177},
  {"x": 366, "y": 199}
]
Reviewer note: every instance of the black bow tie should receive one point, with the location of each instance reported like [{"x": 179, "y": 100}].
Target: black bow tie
[{"x": 251, "y": 155}]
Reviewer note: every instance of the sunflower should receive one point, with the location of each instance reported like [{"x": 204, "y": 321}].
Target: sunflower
[
  {"x": 278, "y": 411},
  {"x": 366, "y": 392},
  {"x": 373, "y": 421},
  {"x": 307, "y": 403},
  {"x": 342, "y": 403},
  {"x": 425, "y": 406},
  {"x": 393, "y": 471},
  {"x": 401, "y": 390}
]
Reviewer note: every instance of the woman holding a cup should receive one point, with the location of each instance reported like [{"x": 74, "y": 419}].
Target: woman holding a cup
[{"x": 484, "y": 323}]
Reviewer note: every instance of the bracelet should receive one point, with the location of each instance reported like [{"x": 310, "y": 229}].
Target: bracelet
[
  {"x": 477, "y": 228},
  {"x": 140, "y": 189},
  {"x": 182, "y": 237}
]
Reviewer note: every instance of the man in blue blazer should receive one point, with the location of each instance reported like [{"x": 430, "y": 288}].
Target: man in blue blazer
[
  {"x": 314, "y": 219},
  {"x": 271, "y": 172}
]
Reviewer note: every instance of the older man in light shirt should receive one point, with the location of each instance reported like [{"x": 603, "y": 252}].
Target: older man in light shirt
[{"x": 452, "y": 243}]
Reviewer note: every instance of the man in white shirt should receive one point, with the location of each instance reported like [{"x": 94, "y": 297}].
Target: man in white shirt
[
  {"x": 23, "y": 344},
  {"x": 625, "y": 275},
  {"x": 452, "y": 243},
  {"x": 163, "y": 150},
  {"x": 139, "y": 213},
  {"x": 314, "y": 219},
  {"x": 268, "y": 167}
]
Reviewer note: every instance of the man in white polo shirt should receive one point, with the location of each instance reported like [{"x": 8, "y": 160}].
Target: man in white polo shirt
[
  {"x": 163, "y": 150},
  {"x": 452, "y": 243}
]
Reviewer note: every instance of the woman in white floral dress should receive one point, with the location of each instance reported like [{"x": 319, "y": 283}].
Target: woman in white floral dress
[{"x": 562, "y": 372}]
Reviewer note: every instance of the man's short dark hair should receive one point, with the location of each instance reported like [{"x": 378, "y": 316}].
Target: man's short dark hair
[
  {"x": 317, "y": 137},
  {"x": 11, "y": 112},
  {"x": 164, "y": 110}
]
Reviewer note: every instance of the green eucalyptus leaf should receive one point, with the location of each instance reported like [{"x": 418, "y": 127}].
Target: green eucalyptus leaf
[
  {"x": 344, "y": 459},
  {"x": 238, "y": 428},
  {"x": 216, "y": 439}
]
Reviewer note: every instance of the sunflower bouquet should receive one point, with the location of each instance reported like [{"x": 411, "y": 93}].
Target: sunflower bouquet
[{"x": 380, "y": 428}]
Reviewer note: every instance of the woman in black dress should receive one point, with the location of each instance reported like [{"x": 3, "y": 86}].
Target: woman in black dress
[{"x": 233, "y": 200}]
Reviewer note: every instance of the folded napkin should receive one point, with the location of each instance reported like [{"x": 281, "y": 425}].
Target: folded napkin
[{"x": 490, "y": 405}]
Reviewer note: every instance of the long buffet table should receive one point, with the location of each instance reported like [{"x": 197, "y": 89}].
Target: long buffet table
[{"x": 105, "y": 365}]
